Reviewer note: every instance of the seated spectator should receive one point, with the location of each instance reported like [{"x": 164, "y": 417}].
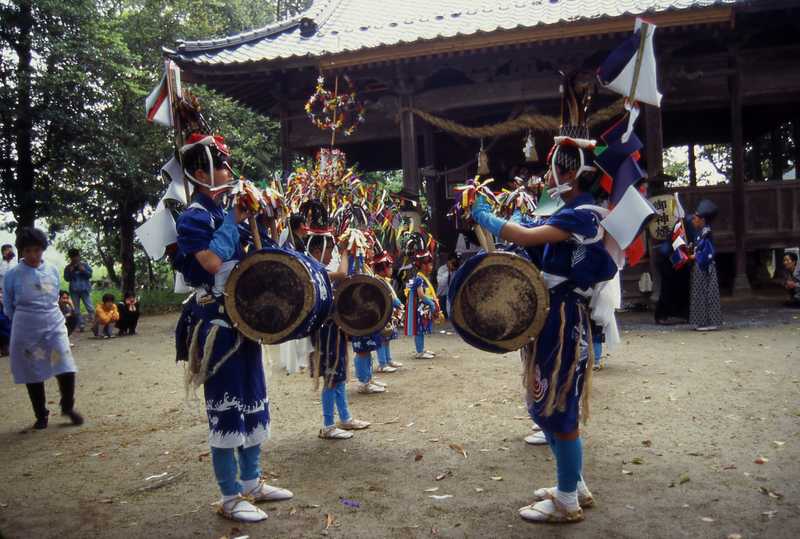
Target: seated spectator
[
  {"x": 5, "y": 329},
  {"x": 792, "y": 283},
  {"x": 68, "y": 310},
  {"x": 128, "y": 315},
  {"x": 105, "y": 315}
]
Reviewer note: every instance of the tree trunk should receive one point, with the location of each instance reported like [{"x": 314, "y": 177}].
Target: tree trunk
[
  {"x": 127, "y": 227},
  {"x": 25, "y": 208},
  {"x": 108, "y": 262}
]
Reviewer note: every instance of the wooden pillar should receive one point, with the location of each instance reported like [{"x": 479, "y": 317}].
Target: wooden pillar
[
  {"x": 654, "y": 153},
  {"x": 692, "y": 166},
  {"x": 654, "y": 142},
  {"x": 796, "y": 139},
  {"x": 408, "y": 148},
  {"x": 740, "y": 284},
  {"x": 286, "y": 152}
]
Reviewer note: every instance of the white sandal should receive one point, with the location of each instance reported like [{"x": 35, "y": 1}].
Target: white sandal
[
  {"x": 585, "y": 500},
  {"x": 241, "y": 510},
  {"x": 267, "y": 493},
  {"x": 550, "y": 511},
  {"x": 353, "y": 424},
  {"x": 333, "y": 433}
]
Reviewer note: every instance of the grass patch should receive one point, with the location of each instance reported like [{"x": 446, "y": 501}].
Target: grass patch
[{"x": 151, "y": 301}]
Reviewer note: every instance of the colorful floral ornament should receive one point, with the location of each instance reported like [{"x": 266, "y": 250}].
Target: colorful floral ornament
[
  {"x": 335, "y": 110},
  {"x": 462, "y": 210}
]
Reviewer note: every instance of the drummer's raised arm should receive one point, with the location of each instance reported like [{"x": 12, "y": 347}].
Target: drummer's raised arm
[
  {"x": 529, "y": 237},
  {"x": 209, "y": 260},
  {"x": 341, "y": 272}
]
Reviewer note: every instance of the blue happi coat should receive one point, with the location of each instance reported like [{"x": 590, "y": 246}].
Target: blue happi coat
[
  {"x": 227, "y": 363},
  {"x": 570, "y": 269}
]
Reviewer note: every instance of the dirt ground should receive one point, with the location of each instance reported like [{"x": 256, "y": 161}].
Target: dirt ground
[{"x": 679, "y": 419}]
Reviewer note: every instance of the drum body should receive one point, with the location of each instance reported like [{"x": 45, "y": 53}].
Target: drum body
[
  {"x": 363, "y": 305},
  {"x": 497, "y": 301},
  {"x": 277, "y": 295}
]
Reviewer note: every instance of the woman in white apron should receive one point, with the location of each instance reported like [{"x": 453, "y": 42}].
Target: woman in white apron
[{"x": 39, "y": 343}]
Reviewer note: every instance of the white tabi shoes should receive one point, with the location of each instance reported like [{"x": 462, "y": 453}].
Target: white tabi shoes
[
  {"x": 585, "y": 498},
  {"x": 387, "y": 369},
  {"x": 537, "y": 438},
  {"x": 263, "y": 492},
  {"x": 240, "y": 509},
  {"x": 369, "y": 388},
  {"x": 424, "y": 355},
  {"x": 550, "y": 511},
  {"x": 334, "y": 433}
]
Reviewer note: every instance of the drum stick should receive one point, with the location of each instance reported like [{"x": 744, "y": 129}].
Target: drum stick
[
  {"x": 484, "y": 238},
  {"x": 254, "y": 232}
]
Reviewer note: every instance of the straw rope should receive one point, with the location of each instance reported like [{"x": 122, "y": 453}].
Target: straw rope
[{"x": 537, "y": 122}]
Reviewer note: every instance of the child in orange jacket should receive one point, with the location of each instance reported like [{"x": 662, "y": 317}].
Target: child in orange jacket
[{"x": 105, "y": 316}]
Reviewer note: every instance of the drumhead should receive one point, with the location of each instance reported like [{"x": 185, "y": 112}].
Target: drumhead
[
  {"x": 269, "y": 295},
  {"x": 363, "y": 305},
  {"x": 501, "y": 302}
]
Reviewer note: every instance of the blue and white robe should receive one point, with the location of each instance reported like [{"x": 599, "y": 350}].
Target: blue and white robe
[
  {"x": 228, "y": 364},
  {"x": 558, "y": 360}
]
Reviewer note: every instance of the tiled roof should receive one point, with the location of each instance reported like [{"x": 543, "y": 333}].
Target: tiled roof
[{"x": 353, "y": 25}]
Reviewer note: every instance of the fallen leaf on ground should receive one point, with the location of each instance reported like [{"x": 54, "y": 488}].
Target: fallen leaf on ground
[
  {"x": 417, "y": 456},
  {"x": 627, "y": 472},
  {"x": 443, "y": 475},
  {"x": 684, "y": 478},
  {"x": 432, "y": 489},
  {"x": 292, "y": 511},
  {"x": 433, "y": 440},
  {"x": 409, "y": 425},
  {"x": 522, "y": 417},
  {"x": 329, "y": 520},
  {"x": 637, "y": 460},
  {"x": 729, "y": 467},
  {"x": 769, "y": 514},
  {"x": 770, "y": 493},
  {"x": 647, "y": 443},
  {"x": 478, "y": 489},
  {"x": 201, "y": 456},
  {"x": 395, "y": 420},
  {"x": 761, "y": 460},
  {"x": 440, "y": 497},
  {"x": 734, "y": 536},
  {"x": 707, "y": 519},
  {"x": 497, "y": 478},
  {"x": 778, "y": 443},
  {"x": 501, "y": 448},
  {"x": 458, "y": 448}
]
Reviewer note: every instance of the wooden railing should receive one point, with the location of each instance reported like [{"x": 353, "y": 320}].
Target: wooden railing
[{"x": 772, "y": 213}]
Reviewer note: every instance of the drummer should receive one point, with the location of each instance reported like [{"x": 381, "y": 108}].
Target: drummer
[
  {"x": 329, "y": 360},
  {"x": 556, "y": 375},
  {"x": 226, "y": 363}
]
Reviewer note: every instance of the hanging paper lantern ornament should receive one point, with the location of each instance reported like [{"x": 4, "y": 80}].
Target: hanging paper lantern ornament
[
  {"x": 335, "y": 110},
  {"x": 483, "y": 161},
  {"x": 531, "y": 156}
]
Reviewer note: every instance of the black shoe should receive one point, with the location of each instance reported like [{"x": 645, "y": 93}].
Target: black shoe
[
  {"x": 75, "y": 417},
  {"x": 41, "y": 422}
]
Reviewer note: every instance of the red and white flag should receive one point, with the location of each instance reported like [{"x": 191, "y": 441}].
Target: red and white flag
[{"x": 157, "y": 106}]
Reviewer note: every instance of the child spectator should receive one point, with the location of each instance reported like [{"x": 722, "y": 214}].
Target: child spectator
[
  {"x": 68, "y": 310},
  {"x": 105, "y": 314},
  {"x": 792, "y": 283},
  {"x": 128, "y": 315}
]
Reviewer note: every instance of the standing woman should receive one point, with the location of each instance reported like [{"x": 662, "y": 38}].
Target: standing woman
[
  {"x": 39, "y": 342},
  {"x": 705, "y": 312},
  {"x": 557, "y": 369}
]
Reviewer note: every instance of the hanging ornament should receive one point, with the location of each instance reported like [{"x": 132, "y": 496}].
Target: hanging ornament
[
  {"x": 483, "y": 161},
  {"x": 530, "y": 149}
]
